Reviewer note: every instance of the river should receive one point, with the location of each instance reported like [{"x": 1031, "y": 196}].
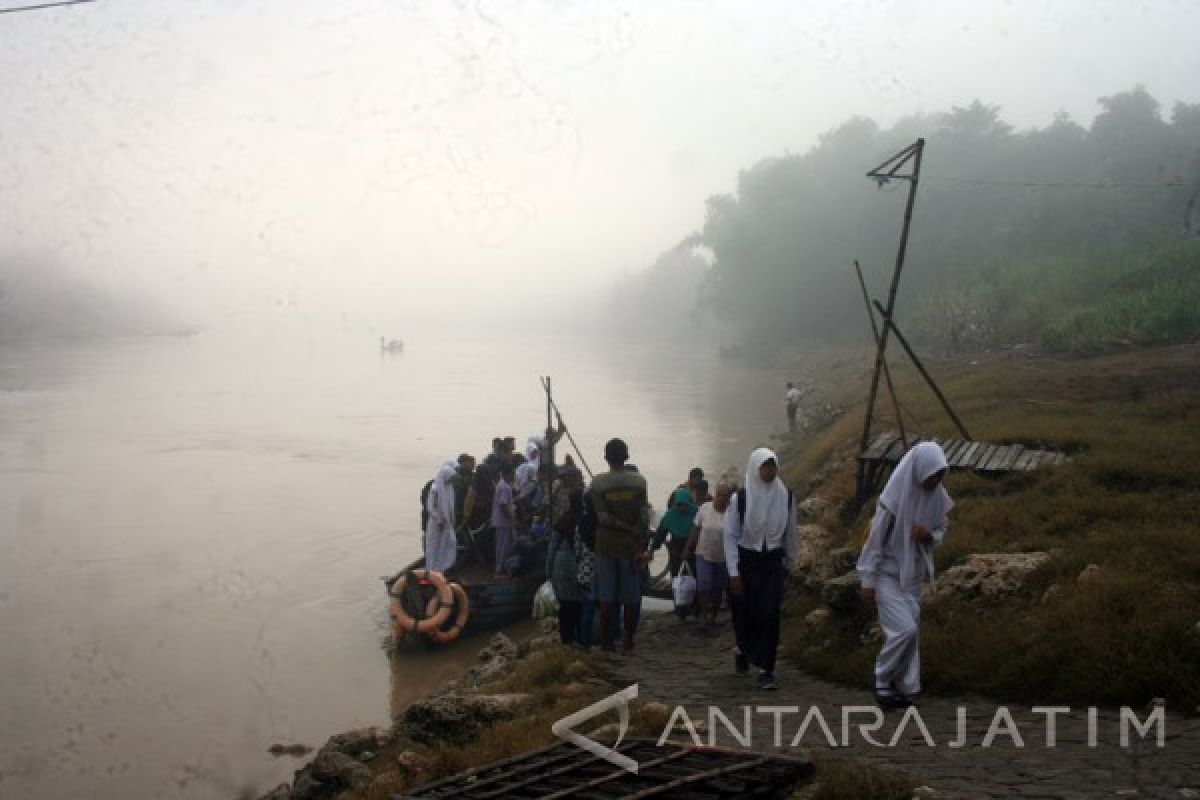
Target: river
[{"x": 193, "y": 529}]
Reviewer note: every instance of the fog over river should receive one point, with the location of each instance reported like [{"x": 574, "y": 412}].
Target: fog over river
[{"x": 193, "y": 529}]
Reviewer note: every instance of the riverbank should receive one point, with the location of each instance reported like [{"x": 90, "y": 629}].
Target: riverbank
[
  {"x": 1087, "y": 598},
  {"x": 1074, "y": 584}
]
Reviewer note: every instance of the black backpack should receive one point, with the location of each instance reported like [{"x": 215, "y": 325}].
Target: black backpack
[
  {"x": 587, "y": 521},
  {"x": 424, "y": 503},
  {"x": 741, "y": 504}
]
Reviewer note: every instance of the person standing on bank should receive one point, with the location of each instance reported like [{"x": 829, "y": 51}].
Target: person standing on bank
[
  {"x": 622, "y": 519},
  {"x": 792, "y": 398},
  {"x": 897, "y": 558},
  {"x": 760, "y": 547}
]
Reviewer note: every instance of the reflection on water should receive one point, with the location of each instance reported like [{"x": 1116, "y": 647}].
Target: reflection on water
[{"x": 193, "y": 530}]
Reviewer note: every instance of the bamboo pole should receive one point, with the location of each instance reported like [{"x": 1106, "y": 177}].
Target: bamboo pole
[
  {"x": 887, "y": 373},
  {"x": 570, "y": 438},
  {"x": 915, "y": 153},
  {"x": 887, "y": 322}
]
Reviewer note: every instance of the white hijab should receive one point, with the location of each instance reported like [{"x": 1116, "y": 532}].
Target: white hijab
[
  {"x": 766, "y": 503},
  {"x": 912, "y": 505},
  {"x": 441, "y": 497},
  {"x": 533, "y": 450}
]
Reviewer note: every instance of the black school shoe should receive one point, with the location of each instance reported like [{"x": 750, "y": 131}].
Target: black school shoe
[
  {"x": 766, "y": 680},
  {"x": 891, "y": 701}
]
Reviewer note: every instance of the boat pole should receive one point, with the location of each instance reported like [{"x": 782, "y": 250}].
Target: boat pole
[
  {"x": 549, "y": 426},
  {"x": 553, "y": 405}
]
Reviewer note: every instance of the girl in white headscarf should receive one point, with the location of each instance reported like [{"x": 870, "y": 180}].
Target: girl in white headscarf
[
  {"x": 910, "y": 520},
  {"x": 441, "y": 545},
  {"x": 760, "y": 546}
]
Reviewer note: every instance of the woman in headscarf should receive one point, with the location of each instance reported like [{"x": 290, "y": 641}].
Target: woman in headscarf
[
  {"x": 441, "y": 545},
  {"x": 527, "y": 472},
  {"x": 760, "y": 546},
  {"x": 675, "y": 527},
  {"x": 910, "y": 520}
]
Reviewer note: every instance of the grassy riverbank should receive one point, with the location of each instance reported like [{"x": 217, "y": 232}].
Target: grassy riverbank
[{"x": 1126, "y": 503}]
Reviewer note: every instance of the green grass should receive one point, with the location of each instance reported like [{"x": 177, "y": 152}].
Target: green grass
[
  {"x": 1083, "y": 303},
  {"x": 1127, "y": 502}
]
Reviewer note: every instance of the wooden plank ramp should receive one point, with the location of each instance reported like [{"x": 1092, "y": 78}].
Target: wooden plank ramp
[{"x": 888, "y": 449}]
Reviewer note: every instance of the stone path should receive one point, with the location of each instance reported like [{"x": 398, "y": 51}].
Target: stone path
[{"x": 676, "y": 666}]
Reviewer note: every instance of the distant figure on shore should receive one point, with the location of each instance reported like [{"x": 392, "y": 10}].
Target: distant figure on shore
[
  {"x": 441, "y": 545},
  {"x": 622, "y": 517},
  {"x": 760, "y": 547},
  {"x": 792, "y": 399},
  {"x": 910, "y": 520}
]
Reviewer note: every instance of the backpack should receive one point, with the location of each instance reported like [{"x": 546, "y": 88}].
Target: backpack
[
  {"x": 587, "y": 521},
  {"x": 741, "y": 503}
]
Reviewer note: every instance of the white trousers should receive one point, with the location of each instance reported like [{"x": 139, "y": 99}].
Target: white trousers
[
  {"x": 441, "y": 547},
  {"x": 899, "y": 662}
]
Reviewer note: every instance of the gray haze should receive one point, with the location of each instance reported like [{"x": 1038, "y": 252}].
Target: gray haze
[{"x": 380, "y": 164}]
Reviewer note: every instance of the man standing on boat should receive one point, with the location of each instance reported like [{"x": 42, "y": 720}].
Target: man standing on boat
[{"x": 622, "y": 520}]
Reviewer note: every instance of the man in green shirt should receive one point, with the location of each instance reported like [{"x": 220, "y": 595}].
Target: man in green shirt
[{"x": 622, "y": 521}]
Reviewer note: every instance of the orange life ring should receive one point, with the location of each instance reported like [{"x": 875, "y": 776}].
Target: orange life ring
[
  {"x": 441, "y": 636},
  {"x": 444, "y": 599},
  {"x": 394, "y": 611}
]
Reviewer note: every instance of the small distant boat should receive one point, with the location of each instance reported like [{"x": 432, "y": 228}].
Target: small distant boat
[{"x": 390, "y": 345}]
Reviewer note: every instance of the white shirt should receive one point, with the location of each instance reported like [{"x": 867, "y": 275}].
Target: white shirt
[
  {"x": 711, "y": 544},
  {"x": 736, "y": 536},
  {"x": 793, "y": 396}
]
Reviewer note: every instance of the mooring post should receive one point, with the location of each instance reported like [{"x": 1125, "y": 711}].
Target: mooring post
[{"x": 892, "y": 165}]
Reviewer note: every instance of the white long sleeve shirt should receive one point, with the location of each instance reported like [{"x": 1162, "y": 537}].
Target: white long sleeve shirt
[{"x": 738, "y": 536}]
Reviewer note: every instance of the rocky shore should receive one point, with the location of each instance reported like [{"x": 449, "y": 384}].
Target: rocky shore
[{"x": 375, "y": 761}]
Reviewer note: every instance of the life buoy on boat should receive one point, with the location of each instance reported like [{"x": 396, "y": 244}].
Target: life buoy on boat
[
  {"x": 463, "y": 606},
  {"x": 444, "y": 602},
  {"x": 394, "y": 611}
]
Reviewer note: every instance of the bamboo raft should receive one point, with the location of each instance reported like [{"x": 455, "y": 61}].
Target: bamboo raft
[{"x": 674, "y": 770}]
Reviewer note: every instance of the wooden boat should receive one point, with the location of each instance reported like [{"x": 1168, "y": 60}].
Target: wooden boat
[{"x": 493, "y": 602}]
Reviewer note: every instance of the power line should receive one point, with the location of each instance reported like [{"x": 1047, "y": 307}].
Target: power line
[
  {"x": 1058, "y": 185},
  {"x": 44, "y": 5}
]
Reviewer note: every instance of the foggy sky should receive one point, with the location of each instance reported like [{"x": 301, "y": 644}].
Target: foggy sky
[{"x": 389, "y": 163}]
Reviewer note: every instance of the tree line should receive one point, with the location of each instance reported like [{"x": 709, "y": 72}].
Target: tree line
[{"x": 1016, "y": 235}]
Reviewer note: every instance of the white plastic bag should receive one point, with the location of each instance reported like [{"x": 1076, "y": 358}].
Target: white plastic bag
[
  {"x": 545, "y": 604},
  {"x": 683, "y": 586}
]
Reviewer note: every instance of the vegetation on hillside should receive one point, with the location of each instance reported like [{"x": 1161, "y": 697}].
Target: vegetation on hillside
[
  {"x": 1018, "y": 236},
  {"x": 1125, "y": 502}
]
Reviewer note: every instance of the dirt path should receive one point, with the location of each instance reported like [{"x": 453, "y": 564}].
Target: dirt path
[{"x": 678, "y": 667}]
